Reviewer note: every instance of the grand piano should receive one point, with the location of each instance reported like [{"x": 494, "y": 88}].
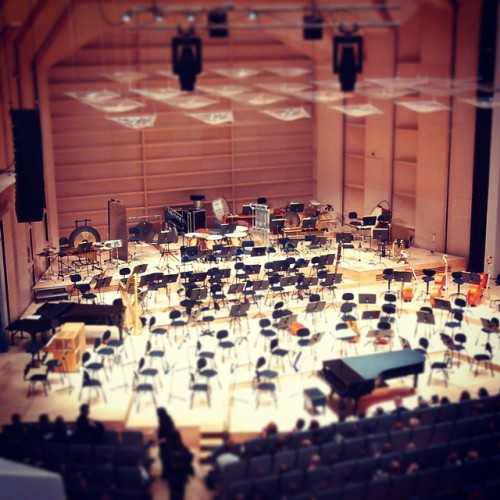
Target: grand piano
[{"x": 356, "y": 376}]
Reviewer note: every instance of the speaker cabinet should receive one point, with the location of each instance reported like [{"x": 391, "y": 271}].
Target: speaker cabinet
[
  {"x": 117, "y": 227},
  {"x": 197, "y": 219},
  {"x": 28, "y": 157}
]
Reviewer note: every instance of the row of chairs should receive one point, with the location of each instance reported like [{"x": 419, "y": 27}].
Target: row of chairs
[
  {"x": 428, "y": 446},
  {"x": 345, "y": 483}
]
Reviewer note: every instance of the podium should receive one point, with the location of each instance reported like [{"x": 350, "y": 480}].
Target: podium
[{"x": 68, "y": 339}]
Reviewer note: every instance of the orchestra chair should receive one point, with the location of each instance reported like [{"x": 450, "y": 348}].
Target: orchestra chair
[
  {"x": 353, "y": 219},
  {"x": 384, "y": 335},
  {"x": 281, "y": 353},
  {"x": 427, "y": 278},
  {"x": 140, "y": 388},
  {"x": 225, "y": 344},
  {"x": 91, "y": 384},
  {"x": 441, "y": 366},
  {"x": 304, "y": 341},
  {"x": 124, "y": 273},
  {"x": 459, "y": 281},
  {"x": 94, "y": 367},
  {"x": 197, "y": 387},
  {"x": 75, "y": 279},
  {"x": 264, "y": 373},
  {"x": 203, "y": 370},
  {"x": 176, "y": 322},
  {"x": 485, "y": 358},
  {"x": 265, "y": 332},
  {"x": 388, "y": 275},
  {"x": 37, "y": 378},
  {"x": 490, "y": 328},
  {"x": 57, "y": 364},
  {"x": 157, "y": 333},
  {"x": 146, "y": 373},
  {"x": 459, "y": 306},
  {"x": 264, "y": 386}
]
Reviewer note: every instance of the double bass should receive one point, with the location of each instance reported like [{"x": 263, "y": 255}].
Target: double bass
[
  {"x": 440, "y": 282},
  {"x": 475, "y": 292}
]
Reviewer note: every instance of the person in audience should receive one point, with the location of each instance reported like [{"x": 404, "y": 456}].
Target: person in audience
[
  {"x": 413, "y": 422},
  {"x": 412, "y": 468},
  {"x": 314, "y": 462},
  {"x": 228, "y": 456},
  {"x": 179, "y": 466},
  {"x": 271, "y": 429},
  {"x": 434, "y": 400},
  {"x": 314, "y": 425},
  {"x": 280, "y": 444},
  {"x": 422, "y": 403},
  {"x": 483, "y": 393},
  {"x": 398, "y": 426},
  {"x": 59, "y": 431},
  {"x": 165, "y": 428},
  {"x": 394, "y": 469},
  {"x": 379, "y": 411},
  {"x": 471, "y": 456},
  {"x": 17, "y": 431},
  {"x": 453, "y": 459},
  {"x": 444, "y": 401},
  {"x": 400, "y": 408},
  {"x": 87, "y": 430},
  {"x": 299, "y": 425},
  {"x": 464, "y": 396},
  {"x": 44, "y": 427}
]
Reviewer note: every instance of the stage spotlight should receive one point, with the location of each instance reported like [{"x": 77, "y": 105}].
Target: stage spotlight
[
  {"x": 312, "y": 27},
  {"x": 186, "y": 58},
  {"x": 217, "y": 17},
  {"x": 348, "y": 59},
  {"x": 127, "y": 16},
  {"x": 158, "y": 14}
]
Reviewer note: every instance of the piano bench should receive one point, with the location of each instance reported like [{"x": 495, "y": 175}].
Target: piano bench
[{"x": 314, "y": 398}]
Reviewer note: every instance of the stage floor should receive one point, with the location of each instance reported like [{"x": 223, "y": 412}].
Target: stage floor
[{"x": 233, "y": 401}]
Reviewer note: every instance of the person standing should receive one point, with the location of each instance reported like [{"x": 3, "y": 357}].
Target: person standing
[
  {"x": 165, "y": 428},
  {"x": 178, "y": 466}
]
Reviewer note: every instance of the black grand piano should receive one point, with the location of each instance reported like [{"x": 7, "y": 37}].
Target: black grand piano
[
  {"x": 354, "y": 377},
  {"x": 51, "y": 315}
]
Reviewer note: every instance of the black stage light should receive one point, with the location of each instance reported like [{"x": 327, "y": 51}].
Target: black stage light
[
  {"x": 347, "y": 60},
  {"x": 217, "y": 22},
  {"x": 312, "y": 27},
  {"x": 186, "y": 58}
]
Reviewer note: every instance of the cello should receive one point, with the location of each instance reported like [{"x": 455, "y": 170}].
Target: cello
[
  {"x": 475, "y": 292},
  {"x": 440, "y": 282}
]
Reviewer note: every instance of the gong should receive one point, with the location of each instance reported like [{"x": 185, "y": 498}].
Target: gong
[
  {"x": 292, "y": 220},
  {"x": 83, "y": 234}
]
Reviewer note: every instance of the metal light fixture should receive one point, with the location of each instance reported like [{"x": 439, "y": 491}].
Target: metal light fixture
[
  {"x": 217, "y": 23},
  {"x": 186, "y": 58},
  {"x": 348, "y": 57}
]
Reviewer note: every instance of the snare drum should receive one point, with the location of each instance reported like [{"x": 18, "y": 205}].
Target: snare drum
[
  {"x": 236, "y": 238},
  {"x": 211, "y": 240},
  {"x": 191, "y": 239}
]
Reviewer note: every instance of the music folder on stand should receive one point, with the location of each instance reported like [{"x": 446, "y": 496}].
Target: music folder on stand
[
  {"x": 425, "y": 318},
  {"x": 442, "y": 305}
]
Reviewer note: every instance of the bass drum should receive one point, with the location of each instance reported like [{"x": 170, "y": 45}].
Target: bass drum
[
  {"x": 292, "y": 220},
  {"x": 220, "y": 208},
  {"x": 83, "y": 234}
]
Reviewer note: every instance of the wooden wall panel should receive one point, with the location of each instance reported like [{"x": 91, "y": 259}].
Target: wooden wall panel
[{"x": 96, "y": 159}]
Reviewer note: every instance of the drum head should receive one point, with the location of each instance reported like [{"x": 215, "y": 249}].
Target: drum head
[
  {"x": 146, "y": 232},
  {"x": 292, "y": 219},
  {"x": 220, "y": 208}
]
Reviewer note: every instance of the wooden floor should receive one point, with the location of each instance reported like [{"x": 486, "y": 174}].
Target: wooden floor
[{"x": 233, "y": 404}]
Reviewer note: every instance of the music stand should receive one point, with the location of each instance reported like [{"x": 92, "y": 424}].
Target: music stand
[
  {"x": 140, "y": 268},
  {"x": 237, "y": 312},
  {"x": 367, "y": 298},
  {"x": 259, "y": 286},
  {"x": 344, "y": 238},
  {"x": 402, "y": 277},
  {"x": 198, "y": 294},
  {"x": 102, "y": 283},
  {"x": 427, "y": 319},
  {"x": 236, "y": 289},
  {"x": 314, "y": 308},
  {"x": 382, "y": 235},
  {"x": 258, "y": 252},
  {"x": 442, "y": 305},
  {"x": 276, "y": 226}
]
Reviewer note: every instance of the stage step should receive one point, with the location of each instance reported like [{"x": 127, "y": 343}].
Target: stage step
[{"x": 209, "y": 439}]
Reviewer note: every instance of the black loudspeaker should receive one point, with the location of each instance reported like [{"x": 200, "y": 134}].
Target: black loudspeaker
[
  {"x": 28, "y": 157},
  {"x": 197, "y": 219}
]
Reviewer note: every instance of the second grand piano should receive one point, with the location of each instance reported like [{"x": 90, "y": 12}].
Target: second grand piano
[{"x": 354, "y": 377}]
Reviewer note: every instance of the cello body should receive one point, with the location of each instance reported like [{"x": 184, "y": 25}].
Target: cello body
[
  {"x": 437, "y": 289},
  {"x": 475, "y": 292}
]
